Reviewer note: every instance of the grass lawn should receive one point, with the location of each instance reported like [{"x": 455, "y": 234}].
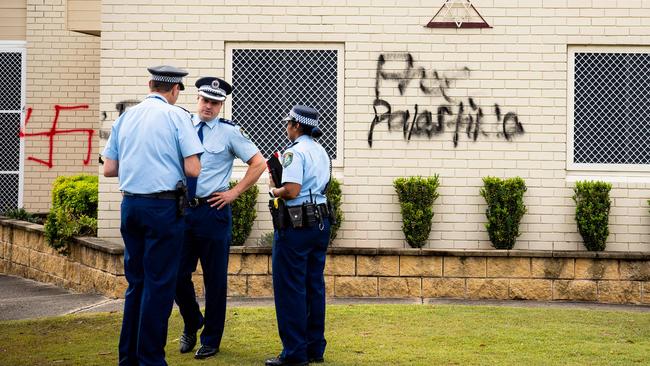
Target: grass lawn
[{"x": 365, "y": 335}]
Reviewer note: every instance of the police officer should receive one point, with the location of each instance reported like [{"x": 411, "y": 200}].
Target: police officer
[
  {"x": 299, "y": 252},
  {"x": 152, "y": 147},
  {"x": 209, "y": 218}
]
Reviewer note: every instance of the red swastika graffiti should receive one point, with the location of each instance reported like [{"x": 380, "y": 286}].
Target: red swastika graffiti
[{"x": 54, "y": 131}]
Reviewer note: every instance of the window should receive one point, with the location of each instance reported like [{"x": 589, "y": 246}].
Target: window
[
  {"x": 610, "y": 109},
  {"x": 268, "y": 81},
  {"x": 12, "y": 102}
]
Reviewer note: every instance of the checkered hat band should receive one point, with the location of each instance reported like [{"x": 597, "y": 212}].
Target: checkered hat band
[
  {"x": 209, "y": 90},
  {"x": 304, "y": 120},
  {"x": 167, "y": 79}
]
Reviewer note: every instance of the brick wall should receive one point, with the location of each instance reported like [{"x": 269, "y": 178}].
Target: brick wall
[
  {"x": 91, "y": 265},
  {"x": 520, "y": 64},
  {"x": 62, "y": 69}
]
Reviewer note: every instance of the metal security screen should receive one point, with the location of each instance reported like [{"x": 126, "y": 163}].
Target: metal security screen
[
  {"x": 612, "y": 108},
  {"x": 268, "y": 82},
  {"x": 11, "y": 79}
]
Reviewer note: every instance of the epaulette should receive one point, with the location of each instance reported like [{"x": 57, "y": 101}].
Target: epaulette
[
  {"x": 188, "y": 112},
  {"x": 293, "y": 144},
  {"x": 227, "y": 121}
]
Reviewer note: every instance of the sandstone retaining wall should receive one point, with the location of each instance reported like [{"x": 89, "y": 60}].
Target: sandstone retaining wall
[{"x": 608, "y": 277}]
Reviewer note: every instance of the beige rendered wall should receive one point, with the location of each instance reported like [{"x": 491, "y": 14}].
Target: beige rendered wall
[
  {"x": 84, "y": 15},
  {"x": 13, "y": 20},
  {"x": 62, "y": 70},
  {"x": 521, "y": 64}
]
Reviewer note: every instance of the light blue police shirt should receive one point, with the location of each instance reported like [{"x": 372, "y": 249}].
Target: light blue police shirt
[
  {"x": 223, "y": 141},
  {"x": 305, "y": 162},
  {"x": 149, "y": 141}
]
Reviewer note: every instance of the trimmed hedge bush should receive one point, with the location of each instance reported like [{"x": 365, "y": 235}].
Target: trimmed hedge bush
[
  {"x": 592, "y": 212},
  {"x": 505, "y": 208},
  {"x": 416, "y": 196},
  {"x": 334, "y": 196},
  {"x": 74, "y": 210},
  {"x": 243, "y": 214}
]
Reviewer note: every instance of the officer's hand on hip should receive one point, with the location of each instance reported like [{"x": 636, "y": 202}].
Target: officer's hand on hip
[{"x": 220, "y": 199}]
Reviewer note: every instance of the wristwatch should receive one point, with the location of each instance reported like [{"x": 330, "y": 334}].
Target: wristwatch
[{"x": 271, "y": 193}]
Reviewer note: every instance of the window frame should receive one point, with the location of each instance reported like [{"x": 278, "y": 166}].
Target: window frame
[
  {"x": 340, "y": 82},
  {"x": 19, "y": 47},
  {"x": 571, "y": 165}
]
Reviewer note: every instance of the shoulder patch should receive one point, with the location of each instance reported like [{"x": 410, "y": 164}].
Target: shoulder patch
[
  {"x": 227, "y": 121},
  {"x": 244, "y": 133},
  {"x": 287, "y": 158}
]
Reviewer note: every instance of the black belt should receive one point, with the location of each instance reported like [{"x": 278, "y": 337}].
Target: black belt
[
  {"x": 198, "y": 201},
  {"x": 165, "y": 195}
]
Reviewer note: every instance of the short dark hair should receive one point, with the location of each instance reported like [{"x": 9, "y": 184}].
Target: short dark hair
[{"x": 161, "y": 86}]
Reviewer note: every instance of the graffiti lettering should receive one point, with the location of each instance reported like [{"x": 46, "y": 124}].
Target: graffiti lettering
[
  {"x": 120, "y": 107},
  {"x": 467, "y": 117},
  {"x": 55, "y": 131}
]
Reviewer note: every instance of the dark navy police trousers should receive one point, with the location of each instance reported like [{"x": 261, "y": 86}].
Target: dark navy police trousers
[
  {"x": 207, "y": 238},
  {"x": 299, "y": 290},
  {"x": 152, "y": 236}
]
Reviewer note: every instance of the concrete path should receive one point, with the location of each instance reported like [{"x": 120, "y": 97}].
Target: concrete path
[{"x": 26, "y": 299}]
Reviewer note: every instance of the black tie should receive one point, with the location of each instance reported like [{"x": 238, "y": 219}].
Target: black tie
[{"x": 191, "y": 181}]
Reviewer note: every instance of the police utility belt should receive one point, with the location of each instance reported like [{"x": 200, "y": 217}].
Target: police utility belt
[
  {"x": 179, "y": 195},
  {"x": 302, "y": 216}
]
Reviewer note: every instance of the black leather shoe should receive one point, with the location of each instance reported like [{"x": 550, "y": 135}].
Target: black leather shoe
[
  {"x": 187, "y": 341},
  {"x": 279, "y": 361},
  {"x": 205, "y": 352},
  {"x": 316, "y": 360}
]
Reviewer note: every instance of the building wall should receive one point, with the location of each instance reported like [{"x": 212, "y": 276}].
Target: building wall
[
  {"x": 62, "y": 70},
  {"x": 520, "y": 65}
]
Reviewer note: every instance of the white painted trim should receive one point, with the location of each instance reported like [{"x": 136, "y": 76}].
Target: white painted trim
[
  {"x": 598, "y": 171},
  {"x": 340, "y": 96},
  {"x": 23, "y": 104},
  {"x": 18, "y": 45}
]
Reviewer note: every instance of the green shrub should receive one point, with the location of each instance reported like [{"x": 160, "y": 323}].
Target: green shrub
[
  {"x": 592, "y": 212},
  {"x": 334, "y": 196},
  {"x": 22, "y": 215},
  {"x": 505, "y": 208},
  {"x": 416, "y": 196},
  {"x": 243, "y": 214},
  {"x": 74, "y": 210}
]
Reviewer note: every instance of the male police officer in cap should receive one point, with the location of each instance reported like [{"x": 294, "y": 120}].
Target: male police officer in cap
[
  {"x": 152, "y": 147},
  {"x": 209, "y": 218},
  {"x": 299, "y": 249}
]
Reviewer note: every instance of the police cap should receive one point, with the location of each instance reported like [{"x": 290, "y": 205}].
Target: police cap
[
  {"x": 304, "y": 115},
  {"x": 168, "y": 74},
  {"x": 213, "y": 88},
  {"x": 307, "y": 116}
]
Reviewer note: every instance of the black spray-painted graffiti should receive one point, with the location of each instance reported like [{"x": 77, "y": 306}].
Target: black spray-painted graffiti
[
  {"x": 468, "y": 117},
  {"x": 120, "y": 107}
]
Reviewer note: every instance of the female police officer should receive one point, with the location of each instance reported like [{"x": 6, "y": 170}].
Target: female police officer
[{"x": 299, "y": 249}]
